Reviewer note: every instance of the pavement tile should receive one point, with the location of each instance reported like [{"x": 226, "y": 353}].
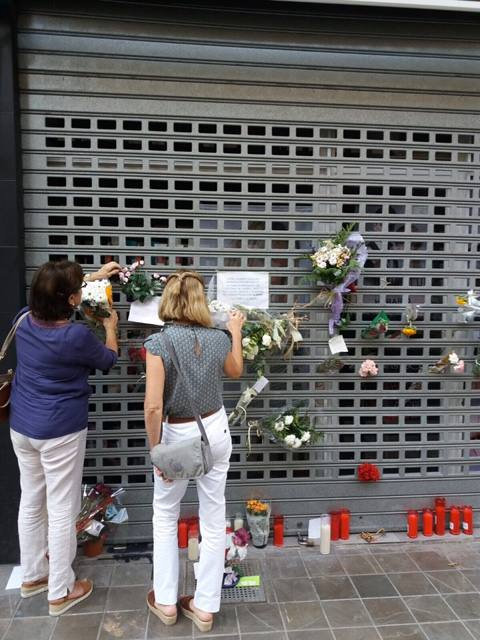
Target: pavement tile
[
  {"x": 429, "y": 608},
  {"x": 355, "y": 565},
  {"x": 395, "y": 562},
  {"x": 78, "y": 627},
  {"x": 450, "y": 582},
  {"x": 273, "y": 635},
  {"x": 3, "y": 626},
  {"x": 9, "y": 603},
  {"x": 129, "y": 574},
  {"x": 256, "y": 617},
  {"x": 465, "y": 605},
  {"x": 429, "y": 560},
  {"x": 318, "y": 565},
  {"x": 363, "y": 633},
  {"x": 21, "y": 629},
  {"x": 295, "y": 590},
  {"x": 403, "y": 632},
  {"x": 319, "y": 634},
  {"x": 374, "y": 586},
  {"x": 412, "y": 584},
  {"x": 33, "y": 607},
  {"x": 446, "y": 631},
  {"x": 474, "y": 627},
  {"x": 346, "y": 613},
  {"x": 100, "y": 574},
  {"x": 156, "y": 630},
  {"x": 334, "y": 587},
  {"x": 123, "y": 624},
  {"x": 474, "y": 576},
  {"x": 5, "y": 571},
  {"x": 126, "y": 598},
  {"x": 388, "y": 611},
  {"x": 290, "y": 566},
  {"x": 303, "y": 615}
]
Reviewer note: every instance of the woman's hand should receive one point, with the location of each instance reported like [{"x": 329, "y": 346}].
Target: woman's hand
[
  {"x": 106, "y": 271},
  {"x": 236, "y": 321},
  {"x": 159, "y": 473},
  {"x": 112, "y": 321}
]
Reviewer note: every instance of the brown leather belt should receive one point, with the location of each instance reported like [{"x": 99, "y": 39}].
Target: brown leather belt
[{"x": 180, "y": 420}]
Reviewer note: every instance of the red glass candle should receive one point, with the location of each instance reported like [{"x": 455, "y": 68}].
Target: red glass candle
[
  {"x": 467, "y": 520},
  {"x": 412, "y": 524},
  {"x": 278, "y": 528},
  {"x": 440, "y": 516},
  {"x": 182, "y": 534},
  {"x": 334, "y": 525},
  {"x": 344, "y": 524},
  {"x": 454, "y": 521},
  {"x": 427, "y": 522}
]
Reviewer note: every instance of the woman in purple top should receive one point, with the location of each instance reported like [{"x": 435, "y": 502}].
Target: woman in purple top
[{"x": 48, "y": 426}]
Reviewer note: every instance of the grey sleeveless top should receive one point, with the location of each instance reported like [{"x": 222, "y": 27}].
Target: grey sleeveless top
[{"x": 201, "y": 353}]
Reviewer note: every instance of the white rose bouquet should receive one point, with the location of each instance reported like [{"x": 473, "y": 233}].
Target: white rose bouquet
[
  {"x": 263, "y": 332},
  {"x": 292, "y": 429}
]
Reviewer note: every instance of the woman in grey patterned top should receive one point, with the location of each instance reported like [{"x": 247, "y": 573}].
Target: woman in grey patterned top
[{"x": 204, "y": 354}]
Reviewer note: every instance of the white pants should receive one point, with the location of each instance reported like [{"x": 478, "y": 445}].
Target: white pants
[
  {"x": 50, "y": 479},
  {"x": 166, "y": 510}
]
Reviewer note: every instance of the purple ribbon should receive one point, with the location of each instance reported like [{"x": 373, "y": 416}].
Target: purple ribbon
[{"x": 356, "y": 243}]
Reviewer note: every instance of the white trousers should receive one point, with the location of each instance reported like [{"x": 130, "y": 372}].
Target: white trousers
[
  {"x": 50, "y": 479},
  {"x": 166, "y": 510}
]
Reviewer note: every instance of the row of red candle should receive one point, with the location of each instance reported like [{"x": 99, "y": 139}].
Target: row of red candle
[
  {"x": 340, "y": 524},
  {"x": 435, "y": 521},
  {"x": 187, "y": 526}
]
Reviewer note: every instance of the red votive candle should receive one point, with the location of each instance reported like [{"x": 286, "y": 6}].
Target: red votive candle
[
  {"x": 278, "y": 529},
  {"x": 427, "y": 522},
  {"x": 344, "y": 524},
  {"x": 454, "y": 521},
  {"x": 440, "y": 516},
  {"x": 467, "y": 520},
  {"x": 412, "y": 523},
  {"x": 182, "y": 534},
  {"x": 334, "y": 525}
]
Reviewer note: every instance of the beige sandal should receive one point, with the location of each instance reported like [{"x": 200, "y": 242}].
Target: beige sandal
[
  {"x": 29, "y": 589},
  {"x": 57, "y": 607},
  {"x": 185, "y": 606},
  {"x": 168, "y": 620}
]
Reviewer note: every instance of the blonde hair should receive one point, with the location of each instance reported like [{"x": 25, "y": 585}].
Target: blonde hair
[{"x": 183, "y": 299}]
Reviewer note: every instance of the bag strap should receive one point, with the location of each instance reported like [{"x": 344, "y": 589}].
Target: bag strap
[
  {"x": 176, "y": 364},
  {"x": 10, "y": 335}
]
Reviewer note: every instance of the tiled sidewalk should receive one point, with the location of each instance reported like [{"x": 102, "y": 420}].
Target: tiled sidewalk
[{"x": 415, "y": 591}]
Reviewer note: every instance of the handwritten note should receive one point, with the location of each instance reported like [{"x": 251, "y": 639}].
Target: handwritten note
[
  {"x": 145, "y": 312},
  {"x": 246, "y": 288},
  {"x": 337, "y": 344}
]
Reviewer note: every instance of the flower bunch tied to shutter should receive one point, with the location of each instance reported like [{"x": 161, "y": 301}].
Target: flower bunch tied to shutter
[
  {"x": 291, "y": 429},
  {"x": 137, "y": 284},
  {"x": 336, "y": 266}
]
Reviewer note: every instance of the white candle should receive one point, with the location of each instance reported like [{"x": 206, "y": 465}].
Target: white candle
[
  {"x": 238, "y": 522},
  {"x": 325, "y": 534}
]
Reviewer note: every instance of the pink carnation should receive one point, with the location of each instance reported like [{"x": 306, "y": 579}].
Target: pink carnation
[{"x": 368, "y": 368}]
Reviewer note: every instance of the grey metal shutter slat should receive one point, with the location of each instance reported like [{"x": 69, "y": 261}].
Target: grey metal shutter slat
[{"x": 229, "y": 140}]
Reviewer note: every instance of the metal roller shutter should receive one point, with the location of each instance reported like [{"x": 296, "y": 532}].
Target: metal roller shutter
[{"x": 231, "y": 139}]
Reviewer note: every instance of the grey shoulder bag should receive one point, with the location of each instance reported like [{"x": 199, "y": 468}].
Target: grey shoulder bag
[{"x": 189, "y": 458}]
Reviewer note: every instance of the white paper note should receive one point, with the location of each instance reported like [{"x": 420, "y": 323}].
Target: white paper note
[
  {"x": 314, "y": 529},
  {"x": 337, "y": 344},
  {"x": 246, "y": 288},
  {"x": 145, "y": 312},
  {"x": 16, "y": 578}
]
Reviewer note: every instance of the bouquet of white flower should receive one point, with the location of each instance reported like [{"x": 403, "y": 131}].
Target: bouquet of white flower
[
  {"x": 291, "y": 429},
  {"x": 262, "y": 332},
  {"x": 97, "y": 299}
]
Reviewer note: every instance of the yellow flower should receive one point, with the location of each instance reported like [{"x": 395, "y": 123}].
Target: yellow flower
[
  {"x": 409, "y": 331},
  {"x": 461, "y": 300},
  {"x": 108, "y": 291}
]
